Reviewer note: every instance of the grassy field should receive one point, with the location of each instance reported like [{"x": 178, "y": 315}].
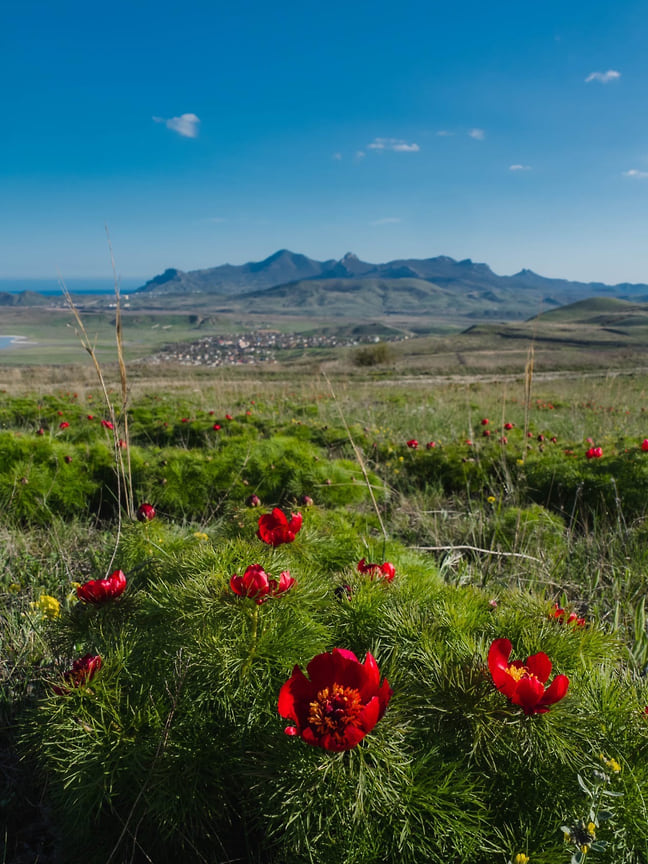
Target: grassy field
[{"x": 472, "y": 479}]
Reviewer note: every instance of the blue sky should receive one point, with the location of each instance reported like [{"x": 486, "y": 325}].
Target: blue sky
[{"x": 204, "y": 132}]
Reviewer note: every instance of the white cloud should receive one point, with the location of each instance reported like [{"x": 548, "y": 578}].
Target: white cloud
[
  {"x": 186, "y": 125},
  {"x": 360, "y": 154},
  {"x": 388, "y": 220},
  {"x": 634, "y": 172},
  {"x": 395, "y": 144},
  {"x": 519, "y": 167},
  {"x": 603, "y": 77},
  {"x": 336, "y": 156},
  {"x": 477, "y": 134},
  {"x": 444, "y": 133}
]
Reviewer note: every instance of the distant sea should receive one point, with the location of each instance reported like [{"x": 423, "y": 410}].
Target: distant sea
[{"x": 75, "y": 285}]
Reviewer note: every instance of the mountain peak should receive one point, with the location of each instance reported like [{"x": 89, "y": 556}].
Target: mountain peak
[{"x": 349, "y": 257}]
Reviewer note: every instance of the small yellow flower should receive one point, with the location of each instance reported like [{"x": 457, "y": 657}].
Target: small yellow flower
[
  {"x": 200, "y": 535},
  {"x": 611, "y": 765},
  {"x": 400, "y": 458},
  {"x": 491, "y": 500},
  {"x": 14, "y": 587},
  {"x": 521, "y": 858},
  {"x": 48, "y": 606},
  {"x": 519, "y": 461},
  {"x": 591, "y": 829}
]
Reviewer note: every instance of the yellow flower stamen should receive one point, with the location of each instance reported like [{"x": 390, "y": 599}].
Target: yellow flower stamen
[{"x": 334, "y": 709}]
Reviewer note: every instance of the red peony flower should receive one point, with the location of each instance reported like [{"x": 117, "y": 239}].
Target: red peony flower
[
  {"x": 306, "y": 500},
  {"x": 107, "y": 424},
  {"x": 275, "y": 528},
  {"x": 486, "y": 433},
  {"x": 339, "y": 705},
  {"x": 90, "y": 416},
  {"x": 40, "y": 431},
  {"x": 485, "y": 421},
  {"x": 216, "y": 427},
  {"x": 431, "y": 445},
  {"x": 644, "y": 445},
  {"x": 253, "y": 501},
  {"x": 64, "y": 425},
  {"x": 82, "y": 671},
  {"x": 594, "y": 453},
  {"x": 145, "y": 512},
  {"x": 524, "y": 684},
  {"x": 228, "y": 416},
  {"x": 98, "y": 591},
  {"x": 572, "y": 618},
  {"x": 508, "y": 426},
  {"x": 258, "y": 586},
  {"x": 385, "y": 570},
  {"x": 67, "y": 459},
  {"x": 412, "y": 443}
]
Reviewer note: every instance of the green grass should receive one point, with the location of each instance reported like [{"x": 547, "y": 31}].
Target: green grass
[{"x": 176, "y": 750}]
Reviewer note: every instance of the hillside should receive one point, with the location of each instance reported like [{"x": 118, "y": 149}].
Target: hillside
[{"x": 350, "y": 287}]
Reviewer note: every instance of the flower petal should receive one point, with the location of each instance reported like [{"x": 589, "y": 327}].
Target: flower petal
[
  {"x": 528, "y": 694},
  {"x": 294, "y": 697},
  {"x": 556, "y": 691},
  {"x": 540, "y": 666}
]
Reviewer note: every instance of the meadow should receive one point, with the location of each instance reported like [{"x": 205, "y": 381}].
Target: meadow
[{"x": 478, "y": 543}]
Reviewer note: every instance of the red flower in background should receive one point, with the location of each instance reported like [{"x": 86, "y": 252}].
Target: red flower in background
[
  {"x": 572, "y": 618},
  {"x": 216, "y": 427},
  {"x": 40, "y": 431},
  {"x": 381, "y": 571},
  {"x": 107, "y": 424},
  {"x": 508, "y": 426},
  {"x": 82, "y": 671},
  {"x": 594, "y": 453},
  {"x": 431, "y": 445},
  {"x": 412, "y": 443},
  {"x": 644, "y": 445},
  {"x": 228, "y": 416},
  {"x": 90, "y": 416},
  {"x": 98, "y": 591},
  {"x": 253, "y": 501},
  {"x": 339, "y": 705},
  {"x": 64, "y": 425},
  {"x": 485, "y": 421},
  {"x": 145, "y": 512},
  {"x": 524, "y": 683},
  {"x": 257, "y": 585},
  {"x": 275, "y": 528}
]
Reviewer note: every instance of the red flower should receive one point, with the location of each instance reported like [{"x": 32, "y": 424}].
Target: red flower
[
  {"x": 385, "y": 570},
  {"x": 485, "y": 421},
  {"x": 257, "y": 585},
  {"x": 64, "y": 425},
  {"x": 253, "y": 501},
  {"x": 216, "y": 427},
  {"x": 90, "y": 416},
  {"x": 40, "y": 431},
  {"x": 306, "y": 500},
  {"x": 524, "y": 684},
  {"x": 98, "y": 591},
  {"x": 67, "y": 459},
  {"x": 185, "y": 420},
  {"x": 107, "y": 424},
  {"x": 594, "y": 453},
  {"x": 508, "y": 426},
  {"x": 431, "y": 445},
  {"x": 486, "y": 433},
  {"x": 145, "y": 512},
  {"x": 275, "y": 528},
  {"x": 412, "y": 443},
  {"x": 82, "y": 671},
  {"x": 228, "y": 416},
  {"x": 561, "y": 615},
  {"x": 644, "y": 445},
  {"x": 339, "y": 705}
]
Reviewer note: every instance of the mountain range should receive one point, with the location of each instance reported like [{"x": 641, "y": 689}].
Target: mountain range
[{"x": 288, "y": 282}]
